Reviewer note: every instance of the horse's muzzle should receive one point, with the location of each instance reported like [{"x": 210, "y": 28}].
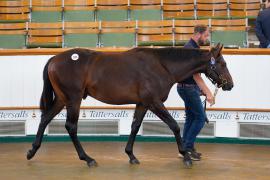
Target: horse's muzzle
[{"x": 227, "y": 87}]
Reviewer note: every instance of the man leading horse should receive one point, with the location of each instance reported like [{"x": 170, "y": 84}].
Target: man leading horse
[
  {"x": 141, "y": 76},
  {"x": 190, "y": 90}
]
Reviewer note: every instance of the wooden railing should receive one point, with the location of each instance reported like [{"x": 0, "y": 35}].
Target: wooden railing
[{"x": 54, "y": 51}]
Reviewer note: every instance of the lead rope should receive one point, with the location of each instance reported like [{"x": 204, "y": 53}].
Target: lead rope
[
  {"x": 216, "y": 91},
  {"x": 215, "y": 94}
]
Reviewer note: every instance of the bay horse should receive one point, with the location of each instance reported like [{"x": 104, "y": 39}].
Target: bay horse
[{"x": 141, "y": 76}]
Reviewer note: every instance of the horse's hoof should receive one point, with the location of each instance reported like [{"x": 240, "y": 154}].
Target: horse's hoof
[
  {"x": 188, "y": 163},
  {"x": 30, "y": 154},
  {"x": 134, "y": 161},
  {"x": 92, "y": 163}
]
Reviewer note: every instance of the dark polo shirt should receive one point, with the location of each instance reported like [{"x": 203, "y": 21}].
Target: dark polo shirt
[{"x": 190, "y": 44}]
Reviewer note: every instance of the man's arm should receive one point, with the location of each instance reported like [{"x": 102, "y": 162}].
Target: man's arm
[
  {"x": 200, "y": 82},
  {"x": 259, "y": 32}
]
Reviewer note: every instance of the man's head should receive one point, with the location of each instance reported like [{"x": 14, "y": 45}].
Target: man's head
[
  {"x": 201, "y": 34},
  {"x": 267, "y": 3}
]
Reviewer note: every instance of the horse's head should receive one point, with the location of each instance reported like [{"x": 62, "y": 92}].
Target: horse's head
[{"x": 217, "y": 70}]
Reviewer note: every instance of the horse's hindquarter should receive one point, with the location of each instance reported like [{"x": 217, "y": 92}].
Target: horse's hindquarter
[
  {"x": 68, "y": 73},
  {"x": 123, "y": 78}
]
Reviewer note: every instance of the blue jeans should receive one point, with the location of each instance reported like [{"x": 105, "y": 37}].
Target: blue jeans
[{"x": 195, "y": 115}]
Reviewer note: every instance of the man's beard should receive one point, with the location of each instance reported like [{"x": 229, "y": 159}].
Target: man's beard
[{"x": 201, "y": 42}]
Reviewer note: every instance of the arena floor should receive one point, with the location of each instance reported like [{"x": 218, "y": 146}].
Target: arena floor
[{"x": 159, "y": 161}]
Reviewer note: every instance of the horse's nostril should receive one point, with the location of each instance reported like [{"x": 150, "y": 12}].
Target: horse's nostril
[{"x": 230, "y": 87}]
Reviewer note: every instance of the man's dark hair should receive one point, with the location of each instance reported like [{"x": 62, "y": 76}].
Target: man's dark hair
[{"x": 200, "y": 28}]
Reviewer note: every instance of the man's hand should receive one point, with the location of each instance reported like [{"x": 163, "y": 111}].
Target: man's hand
[
  {"x": 210, "y": 98},
  {"x": 205, "y": 90}
]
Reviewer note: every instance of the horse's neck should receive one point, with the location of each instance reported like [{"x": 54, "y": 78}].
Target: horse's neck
[
  {"x": 187, "y": 70},
  {"x": 185, "y": 64}
]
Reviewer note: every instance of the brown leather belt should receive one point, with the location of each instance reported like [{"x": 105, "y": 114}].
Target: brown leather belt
[{"x": 186, "y": 85}]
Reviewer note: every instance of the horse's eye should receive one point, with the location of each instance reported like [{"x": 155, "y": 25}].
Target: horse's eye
[
  {"x": 223, "y": 65},
  {"x": 213, "y": 67}
]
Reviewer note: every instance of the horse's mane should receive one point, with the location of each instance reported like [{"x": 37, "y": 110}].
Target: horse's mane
[{"x": 174, "y": 53}]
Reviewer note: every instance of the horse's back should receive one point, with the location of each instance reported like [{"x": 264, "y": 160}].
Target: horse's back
[
  {"x": 121, "y": 77},
  {"x": 111, "y": 77}
]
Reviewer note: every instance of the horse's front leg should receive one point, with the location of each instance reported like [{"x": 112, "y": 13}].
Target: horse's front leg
[
  {"x": 160, "y": 110},
  {"x": 136, "y": 124}
]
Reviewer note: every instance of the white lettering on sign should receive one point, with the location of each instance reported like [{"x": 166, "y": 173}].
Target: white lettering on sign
[
  {"x": 14, "y": 115},
  {"x": 254, "y": 116},
  {"x": 219, "y": 115},
  {"x": 124, "y": 114}
]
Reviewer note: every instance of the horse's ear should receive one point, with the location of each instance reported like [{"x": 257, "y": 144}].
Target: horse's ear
[
  {"x": 216, "y": 50},
  {"x": 220, "y": 48},
  {"x": 217, "y": 46}
]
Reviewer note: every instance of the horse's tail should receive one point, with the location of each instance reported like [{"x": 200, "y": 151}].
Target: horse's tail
[{"x": 47, "y": 96}]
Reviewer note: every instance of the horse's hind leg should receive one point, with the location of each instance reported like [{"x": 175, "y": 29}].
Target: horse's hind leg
[
  {"x": 45, "y": 120},
  {"x": 72, "y": 126},
  {"x": 137, "y": 121},
  {"x": 160, "y": 110}
]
